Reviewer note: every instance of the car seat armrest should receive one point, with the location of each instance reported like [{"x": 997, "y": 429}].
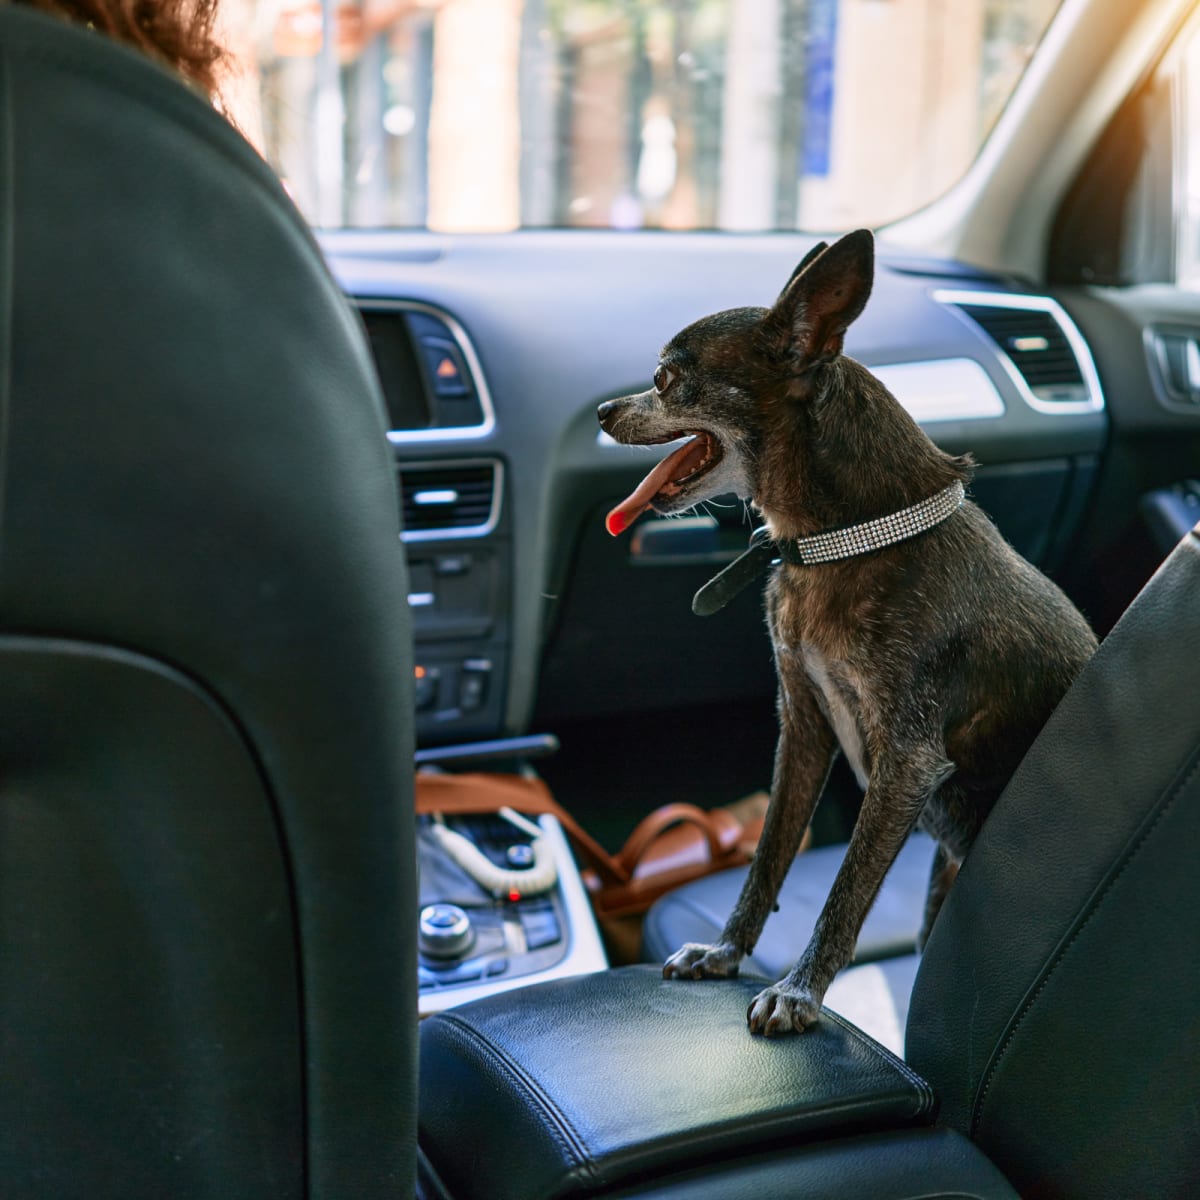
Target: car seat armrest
[{"x": 589, "y": 1083}]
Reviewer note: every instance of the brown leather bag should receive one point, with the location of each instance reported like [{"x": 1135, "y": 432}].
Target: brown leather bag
[{"x": 674, "y": 844}]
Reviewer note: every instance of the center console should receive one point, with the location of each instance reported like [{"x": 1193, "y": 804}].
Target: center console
[
  {"x": 457, "y": 545},
  {"x": 456, "y": 529},
  {"x": 501, "y": 901}
]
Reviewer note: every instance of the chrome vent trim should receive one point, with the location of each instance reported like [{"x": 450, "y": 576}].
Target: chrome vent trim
[
  {"x": 444, "y": 500},
  {"x": 1089, "y": 380},
  {"x": 1173, "y": 352},
  {"x": 409, "y": 437}
]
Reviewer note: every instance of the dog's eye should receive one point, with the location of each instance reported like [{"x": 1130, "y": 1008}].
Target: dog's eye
[{"x": 663, "y": 378}]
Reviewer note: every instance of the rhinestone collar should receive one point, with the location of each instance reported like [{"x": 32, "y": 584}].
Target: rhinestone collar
[
  {"x": 832, "y": 545},
  {"x": 835, "y": 544}
]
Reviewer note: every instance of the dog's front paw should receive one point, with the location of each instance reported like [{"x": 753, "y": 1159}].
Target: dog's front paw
[
  {"x": 778, "y": 1010},
  {"x": 694, "y": 961}
]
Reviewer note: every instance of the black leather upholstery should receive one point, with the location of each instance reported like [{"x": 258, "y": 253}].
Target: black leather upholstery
[
  {"x": 1057, "y": 1010},
  {"x": 916, "y": 1164},
  {"x": 205, "y": 681},
  {"x": 591, "y": 1082}
]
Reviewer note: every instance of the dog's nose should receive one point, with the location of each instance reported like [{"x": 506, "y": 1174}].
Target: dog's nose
[{"x": 606, "y": 410}]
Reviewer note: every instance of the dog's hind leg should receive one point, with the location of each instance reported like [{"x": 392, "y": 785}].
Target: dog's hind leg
[
  {"x": 803, "y": 756},
  {"x": 942, "y": 874},
  {"x": 902, "y": 779}
]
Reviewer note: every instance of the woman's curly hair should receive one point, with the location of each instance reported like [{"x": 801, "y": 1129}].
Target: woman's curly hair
[{"x": 178, "y": 33}]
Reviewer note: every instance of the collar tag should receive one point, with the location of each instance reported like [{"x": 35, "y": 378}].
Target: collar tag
[{"x": 738, "y": 575}]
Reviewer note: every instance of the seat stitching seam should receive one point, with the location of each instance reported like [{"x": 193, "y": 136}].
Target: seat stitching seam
[
  {"x": 924, "y": 1090},
  {"x": 1164, "y": 807},
  {"x": 560, "y": 1126}
]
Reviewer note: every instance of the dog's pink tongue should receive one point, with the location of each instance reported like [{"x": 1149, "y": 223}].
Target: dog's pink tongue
[{"x": 671, "y": 468}]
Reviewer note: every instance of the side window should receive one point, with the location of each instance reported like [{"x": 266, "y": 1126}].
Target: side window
[
  {"x": 1187, "y": 160},
  {"x": 1133, "y": 214}
]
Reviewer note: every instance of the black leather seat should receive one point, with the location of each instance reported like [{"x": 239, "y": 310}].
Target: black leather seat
[
  {"x": 1056, "y": 1011},
  {"x": 207, "y": 970}
]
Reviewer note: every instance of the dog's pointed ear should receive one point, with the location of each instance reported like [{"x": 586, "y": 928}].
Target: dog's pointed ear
[
  {"x": 826, "y": 293},
  {"x": 806, "y": 262}
]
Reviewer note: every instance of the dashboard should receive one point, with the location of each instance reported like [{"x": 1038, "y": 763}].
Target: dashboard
[{"x": 494, "y": 351}]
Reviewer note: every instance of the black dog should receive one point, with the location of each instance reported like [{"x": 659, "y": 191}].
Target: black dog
[{"x": 904, "y": 627}]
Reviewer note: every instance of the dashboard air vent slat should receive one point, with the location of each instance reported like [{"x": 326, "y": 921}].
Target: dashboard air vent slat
[
  {"x": 1034, "y": 341},
  {"x": 1041, "y": 349},
  {"x": 455, "y": 500}
]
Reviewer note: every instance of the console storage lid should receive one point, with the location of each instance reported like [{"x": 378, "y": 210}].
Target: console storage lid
[{"x": 583, "y": 1084}]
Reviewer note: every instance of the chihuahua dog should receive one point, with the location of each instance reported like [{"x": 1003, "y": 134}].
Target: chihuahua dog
[{"x": 906, "y": 631}]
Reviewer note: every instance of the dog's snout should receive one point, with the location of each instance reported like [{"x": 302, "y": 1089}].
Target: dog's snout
[
  {"x": 610, "y": 413},
  {"x": 629, "y": 418}
]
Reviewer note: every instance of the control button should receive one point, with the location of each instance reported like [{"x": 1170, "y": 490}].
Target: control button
[
  {"x": 496, "y": 967},
  {"x": 445, "y": 931},
  {"x": 471, "y": 688},
  {"x": 445, "y": 365},
  {"x": 420, "y": 578},
  {"x": 425, "y": 979},
  {"x": 422, "y": 594},
  {"x": 541, "y": 929},
  {"x": 520, "y": 855},
  {"x": 452, "y": 564},
  {"x": 425, "y": 680},
  {"x": 463, "y": 973},
  {"x": 472, "y": 683}
]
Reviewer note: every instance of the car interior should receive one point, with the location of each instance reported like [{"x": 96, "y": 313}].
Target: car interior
[{"x": 355, "y": 783}]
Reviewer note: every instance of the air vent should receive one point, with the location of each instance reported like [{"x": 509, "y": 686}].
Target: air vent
[
  {"x": 449, "y": 500},
  {"x": 1035, "y": 343},
  {"x": 432, "y": 382},
  {"x": 1042, "y": 350},
  {"x": 1174, "y": 353}
]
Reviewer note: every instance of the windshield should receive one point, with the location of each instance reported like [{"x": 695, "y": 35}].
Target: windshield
[{"x": 481, "y": 115}]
